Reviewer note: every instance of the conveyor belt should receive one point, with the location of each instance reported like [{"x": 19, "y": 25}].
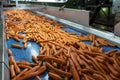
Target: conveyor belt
[{"x": 33, "y": 49}]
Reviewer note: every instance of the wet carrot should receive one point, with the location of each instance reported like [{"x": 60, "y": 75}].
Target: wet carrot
[
  {"x": 35, "y": 59},
  {"x": 20, "y": 74},
  {"x": 11, "y": 60},
  {"x": 12, "y": 71},
  {"x": 32, "y": 74},
  {"x": 75, "y": 61},
  {"x": 58, "y": 52},
  {"x": 48, "y": 51},
  {"x": 43, "y": 51},
  {"x": 22, "y": 66},
  {"x": 85, "y": 77},
  {"x": 9, "y": 52},
  {"x": 82, "y": 62},
  {"x": 68, "y": 74},
  {"x": 113, "y": 71},
  {"x": 97, "y": 76},
  {"x": 60, "y": 61},
  {"x": 113, "y": 77},
  {"x": 74, "y": 71},
  {"x": 20, "y": 36},
  {"x": 97, "y": 65},
  {"x": 54, "y": 76},
  {"x": 17, "y": 46},
  {"x": 38, "y": 78},
  {"x": 17, "y": 69},
  {"x": 25, "y": 45},
  {"x": 54, "y": 49},
  {"x": 16, "y": 38},
  {"x": 32, "y": 70},
  {"x": 23, "y": 63}
]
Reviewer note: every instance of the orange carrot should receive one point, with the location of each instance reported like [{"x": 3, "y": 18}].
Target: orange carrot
[
  {"x": 38, "y": 78},
  {"x": 35, "y": 59},
  {"x": 17, "y": 46},
  {"x": 32, "y": 74},
  {"x": 74, "y": 71},
  {"x": 20, "y": 74},
  {"x": 24, "y": 66},
  {"x": 12, "y": 71},
  {"x": 17, "y": 69},
  {"x": 54, "y": 76},
  {"x": 16, "y": 38},
  {"x": 60, "y": 61},
  {"x": 68, "y": 74},
  {"x": 32, "y": 70},
  {"x": 9, "y": 52},
  {"x": 11, "y": 60}
]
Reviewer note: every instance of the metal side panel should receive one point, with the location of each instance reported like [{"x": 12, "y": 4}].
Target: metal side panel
[{"x": 77, "y": 16}]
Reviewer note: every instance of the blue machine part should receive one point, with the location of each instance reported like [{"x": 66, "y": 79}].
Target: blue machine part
[{"x": 33, "y": 49}]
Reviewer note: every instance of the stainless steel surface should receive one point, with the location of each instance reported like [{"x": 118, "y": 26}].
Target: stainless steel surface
[
  {"x": 74, "y": 15},
  {"x": 103, "y": 34}
]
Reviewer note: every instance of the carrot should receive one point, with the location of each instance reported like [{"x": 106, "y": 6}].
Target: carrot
[
  {"x": 60, "y": 61},
  {"x": 105, "y": 68},
  {"x": 61, "y": 45},
  {"x": 58, "y": 52},
  {"x": 12, "y": 71},
  {"x": 32, "y": 70},
  {"x": 111, "y": 52},
  {"x": 9, "y": 52},
  {"x": 96, "y": 43},
  {"x": 54, "y": 49},
  {"x": 20, "y": 74},
  {"x": 17, "y": 46},
  {"x": 29, "y": 75},
  {"x": 82, "y": 62},
  {"x": 24, "y": 66},
  {"x": 42, "y": 51},
  {"x": 97, "y": 76},
  {"x": 114, "y": 77},
  {"x": 68, "y": 74},
  {"x": 20, "y": 36},
  {"x": 38, "y": 78},
  {"x": 25, "y": 45},
  {"x": 74, "y": 71},
  {"x": 35, "y": 59},
  {"x": 48, "y": 51},
  {"x": 40, "y": 57},
  {"x": 95, "y": 62},
  {"x": 113, "y": 71},
  {"x": 16, "y": 38},
  {"x": 54, "y": 76},
  {"x": 86, "y": 77},
  {"x": 23, "y": 63},
  {"x": 11, "y": 60},
  {"x": 116, "y": 58},
  {"x": 75, "y": 61},
  {"x": 17, "y": 69},
  {"x": 115, "y": 65}
]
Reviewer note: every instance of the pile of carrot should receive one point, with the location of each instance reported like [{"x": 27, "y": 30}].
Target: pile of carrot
[{"x": 64, "y": 54}]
